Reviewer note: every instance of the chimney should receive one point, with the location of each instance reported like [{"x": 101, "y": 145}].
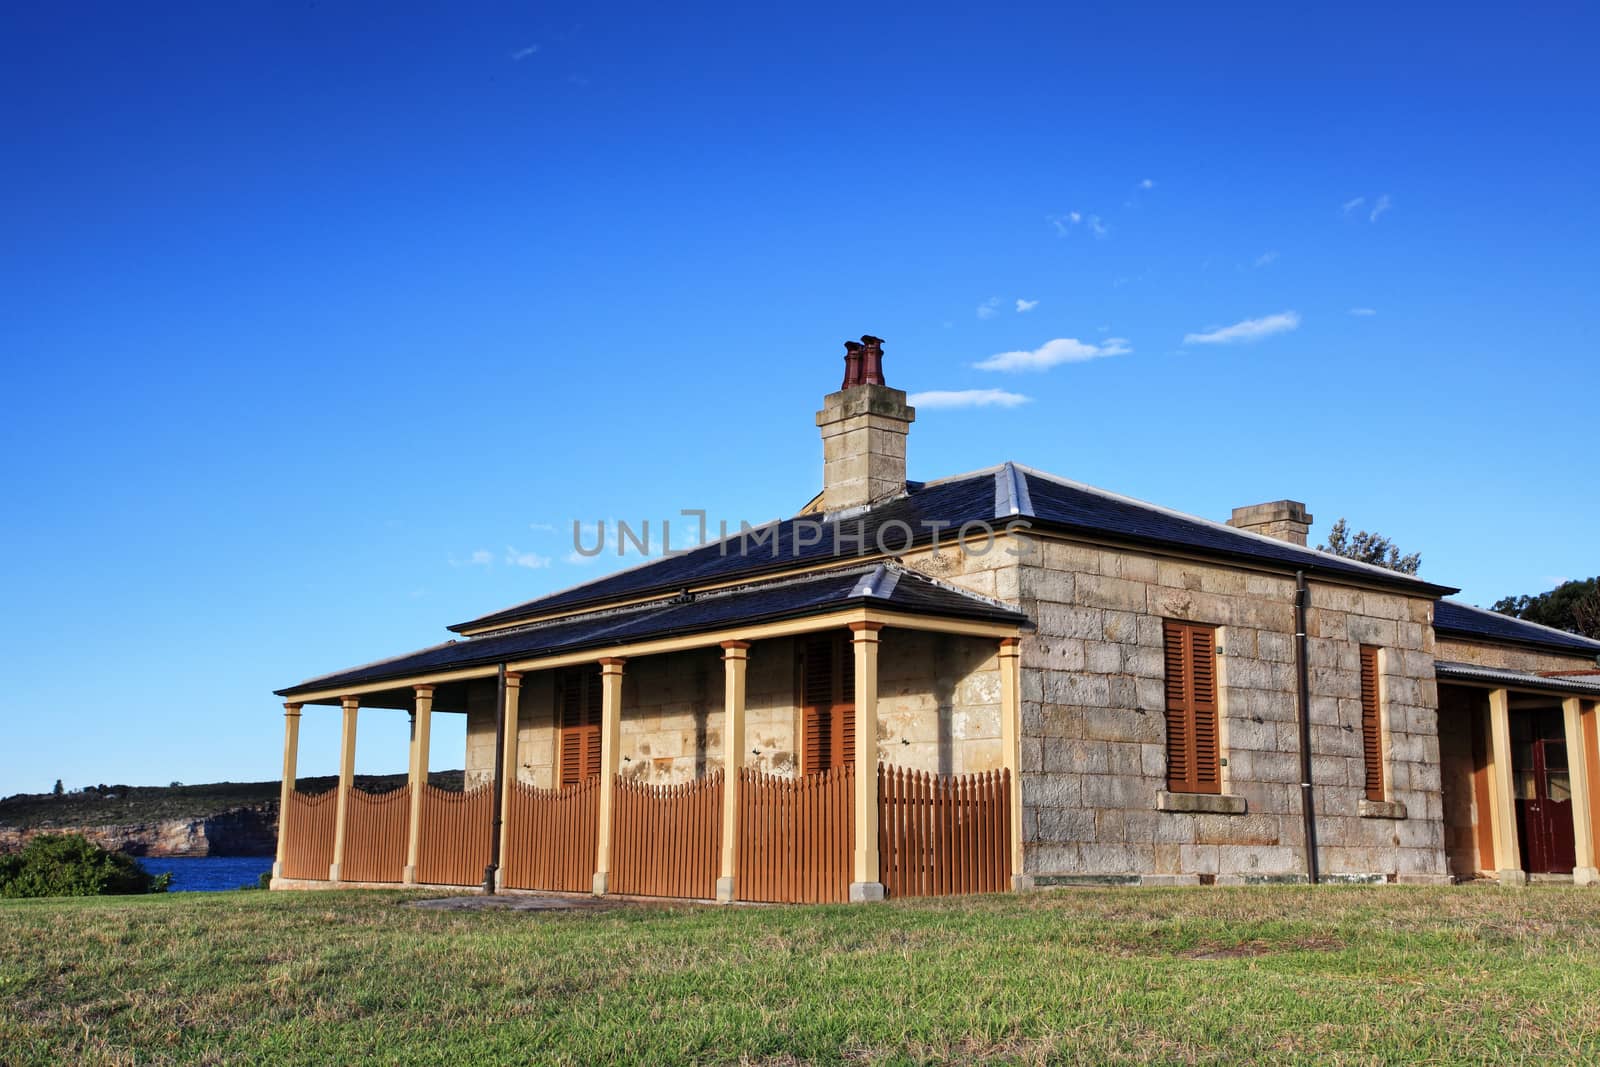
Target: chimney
[
  {"x": 1287, "y": 520},
  {"x": 864, "y": 428}
]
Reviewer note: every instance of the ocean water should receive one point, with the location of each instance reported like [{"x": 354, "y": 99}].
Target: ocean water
[{"x": 208, "y": 874}]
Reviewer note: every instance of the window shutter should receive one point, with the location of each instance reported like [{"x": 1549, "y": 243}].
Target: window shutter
[
  {"x": 845, "y": 701},
  {"x": 580, "y": 701},
  {"x": 1193, "y": 744},
  {"x": 827, "y": 709},
  {"x": 1371, "y": 724}
]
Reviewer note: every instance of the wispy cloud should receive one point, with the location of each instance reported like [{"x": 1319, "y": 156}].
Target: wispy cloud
[
  {"x": 1026, "y": 305},
  {"x": 542, "y": 527},
  {"x": 1362, "y": 313},
  {"x": 1097, "y": 227},
  {"x": 967, "y": 398},
  {"x": 523, "y": 53},
  {"x": 1064, "y": 223},
  {"x": 989, "y": 307},
  {"x": 1248, "y": 330},
  {"x": 1147, "y": 184},
  {"x": 1351, "y": 205},
  {"x": 531, "y": 560},
  {"x": 1265, "y": 258},
  {"x": 1379, "y": 207},
  {"x": 481, "y": 558},
  {"x": 1052, "y": 353}
]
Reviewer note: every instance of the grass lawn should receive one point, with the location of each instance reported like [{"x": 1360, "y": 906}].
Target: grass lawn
[{"x": 1333, "y": 974}]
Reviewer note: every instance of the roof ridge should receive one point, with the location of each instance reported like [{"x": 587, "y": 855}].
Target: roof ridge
[
  {"x": 1557, "y": 631},
  {"x": 1220, "y": 526}
]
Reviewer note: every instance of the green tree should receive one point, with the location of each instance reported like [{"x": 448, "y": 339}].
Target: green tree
[
  {"x": 1571, "y": 606},
  {"x": 69, "y": 865},
  {"x": 1369, "y": 548},
  {"x": 59, "y": 789}
]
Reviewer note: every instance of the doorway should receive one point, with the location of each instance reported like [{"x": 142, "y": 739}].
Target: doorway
[{"x": 1542, "y": 786}]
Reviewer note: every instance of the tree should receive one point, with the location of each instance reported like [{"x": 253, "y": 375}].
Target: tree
[
  {"x": 70, "y": 865},
  {"x": 1571, "y": 606},
  {"x": 1369, "y": 548},
  {"x": 59, "y": 789}
]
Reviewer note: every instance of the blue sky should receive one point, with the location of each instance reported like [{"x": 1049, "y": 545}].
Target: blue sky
[{"x": 322, "y": 324}]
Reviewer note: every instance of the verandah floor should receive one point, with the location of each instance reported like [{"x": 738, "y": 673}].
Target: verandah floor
[{"x": 1287, "y": 974}]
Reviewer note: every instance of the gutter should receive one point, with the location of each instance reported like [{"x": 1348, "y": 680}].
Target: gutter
[{"x": 1302, "y": 601}]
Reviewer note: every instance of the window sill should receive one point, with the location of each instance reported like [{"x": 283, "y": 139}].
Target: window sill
[
  {"x": 1381, "y": 809},
  {"x": 1208, "y": 803}
]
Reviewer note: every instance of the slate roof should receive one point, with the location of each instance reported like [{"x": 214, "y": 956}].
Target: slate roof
[
  {"x": 1464, "y": 620},
  {"x": 881, "y": 585},
  {"x": 1446, "y": 671},
  {"x": 994, "y": 496}
]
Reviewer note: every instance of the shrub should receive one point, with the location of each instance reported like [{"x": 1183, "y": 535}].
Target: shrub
[{"x": 69, "y": 865}]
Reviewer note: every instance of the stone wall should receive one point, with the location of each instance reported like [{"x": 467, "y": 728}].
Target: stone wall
[
  {"x": 938, "y": 710},
  {"x": 1509, "y": 657},
  {"x": 1093, "y": 755}
]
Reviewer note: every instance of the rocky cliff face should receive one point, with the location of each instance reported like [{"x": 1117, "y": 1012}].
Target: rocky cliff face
[{"x": 249, "y": 831}]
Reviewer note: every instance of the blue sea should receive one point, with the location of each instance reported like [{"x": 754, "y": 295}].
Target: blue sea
[{"x": 208, "y": 874}]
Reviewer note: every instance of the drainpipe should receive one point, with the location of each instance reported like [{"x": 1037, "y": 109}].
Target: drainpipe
[
  {"x": 1302, "y": 601},
  {"x": 490, "y": 871}
]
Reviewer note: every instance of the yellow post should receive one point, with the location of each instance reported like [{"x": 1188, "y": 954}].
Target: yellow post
[
  {"x": 1011, "y": 743},
  {"x": 291, "y": 750},
  {"x": 347, "y": 774},
  {"x": 1507, "y": 852},
  {"x": 508, "y": 771},
  {"x": 1583, "y": 872},
  {"x": 610, "y": 761},
  {"x": 866, "y": 881},
  {"x": 422, "y": 721},
  {"x": 735, "y": 658}
]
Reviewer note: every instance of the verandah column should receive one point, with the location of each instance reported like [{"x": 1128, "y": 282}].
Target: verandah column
[
  {"x": 421, "y": 724},
  {"x": 610, "y": 761},
  {"x": 1011, "y": 742},
  {"x": 347, "y": 774},
  {"x": 508, "y": 769},
  {"x": 291, "y": 751},
  {"x": 866, "y": 881},
  {"x": 1507, "y": 852},
  {"x": 735, "y": 658},
  {"x": 1583, "y": 871}
]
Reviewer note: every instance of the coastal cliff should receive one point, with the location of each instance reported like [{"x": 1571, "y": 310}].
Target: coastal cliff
[{"x": 251, "y": 831}]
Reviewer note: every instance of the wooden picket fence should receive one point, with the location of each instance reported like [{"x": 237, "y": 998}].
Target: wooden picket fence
[
  {"x": 550, "y": 842},
  {"x": 942, "y": 835},
  {"x": 456, "y": 829},
  {"x": 796, "y": 836},
  {"x": 666, "y": 840},
  {"x": 309, "y": 825},
  {"x": 375, "y": 836}
]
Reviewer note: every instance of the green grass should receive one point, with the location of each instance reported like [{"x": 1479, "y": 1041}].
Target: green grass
[{"x": 1334, "y": 974}]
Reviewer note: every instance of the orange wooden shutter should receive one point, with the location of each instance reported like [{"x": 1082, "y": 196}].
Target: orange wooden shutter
[
  {"x": 1371, "y": 725},
  {"x": 580, "y": 695},
  {"x": 827, "y": 709},
  {"x": 845, "y": 708},
  {"x": 1193, "y": 745}
]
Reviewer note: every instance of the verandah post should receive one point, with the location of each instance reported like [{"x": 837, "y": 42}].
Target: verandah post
[
  {"x": 421, "y": 722},
  {"x": 291, "y": 750},
  {"x": 1507, "y": 852},
  {"x": 610, "y": 761},
  {"x": 508, "y": 770},
  {"x": 866, "y": 881},
  {"x": 735, "y": 659},
  {"x": 1011, "y": 757},
  {"x": 347, "y": 774},
  {"x": 1583, "y": 870}
]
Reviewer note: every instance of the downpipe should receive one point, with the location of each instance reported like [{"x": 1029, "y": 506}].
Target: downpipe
[{"x": 1302, "y": 602}]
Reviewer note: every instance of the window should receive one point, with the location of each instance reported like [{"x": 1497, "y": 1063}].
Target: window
[
  {"x": 1371, "y": 723},
  {"x": 1192, "y": 744},
  {"x": 827, "y": 685},
  {"x": 578, "y": 698}
]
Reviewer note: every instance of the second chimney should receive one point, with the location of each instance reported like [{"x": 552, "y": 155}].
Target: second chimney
[
  {"x": 864, "y": 428},
  {"x": 1287, "y": 520}
]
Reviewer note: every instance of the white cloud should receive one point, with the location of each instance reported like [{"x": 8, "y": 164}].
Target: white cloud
[
  {"x": 1248, "y": 330},
  {"x": 1379, "y": 207},
  {"x": 1265, "y": 258},
  {"x": 987, "y": 309},
  {"x": 1064, "y": 223},
  {"x": 1051, "y": 353},
  {"x": 523, "y": 53},
  {"x": 1026, "y": 305},
  {"x": 531, "y": 560},
  {"x": 542, "y": 527},
  {"x": 1147, "y": 184},
  {"x": 481, "y": 558},
  {"x": 1097, "y": 227},
  {"x": 1362, "y": 313},
  {"x": 966, "y": 398},
  {"x": 1351, "y": 205}
]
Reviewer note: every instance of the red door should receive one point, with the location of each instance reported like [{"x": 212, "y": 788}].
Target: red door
[{"x": 1544, "y": 795}]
